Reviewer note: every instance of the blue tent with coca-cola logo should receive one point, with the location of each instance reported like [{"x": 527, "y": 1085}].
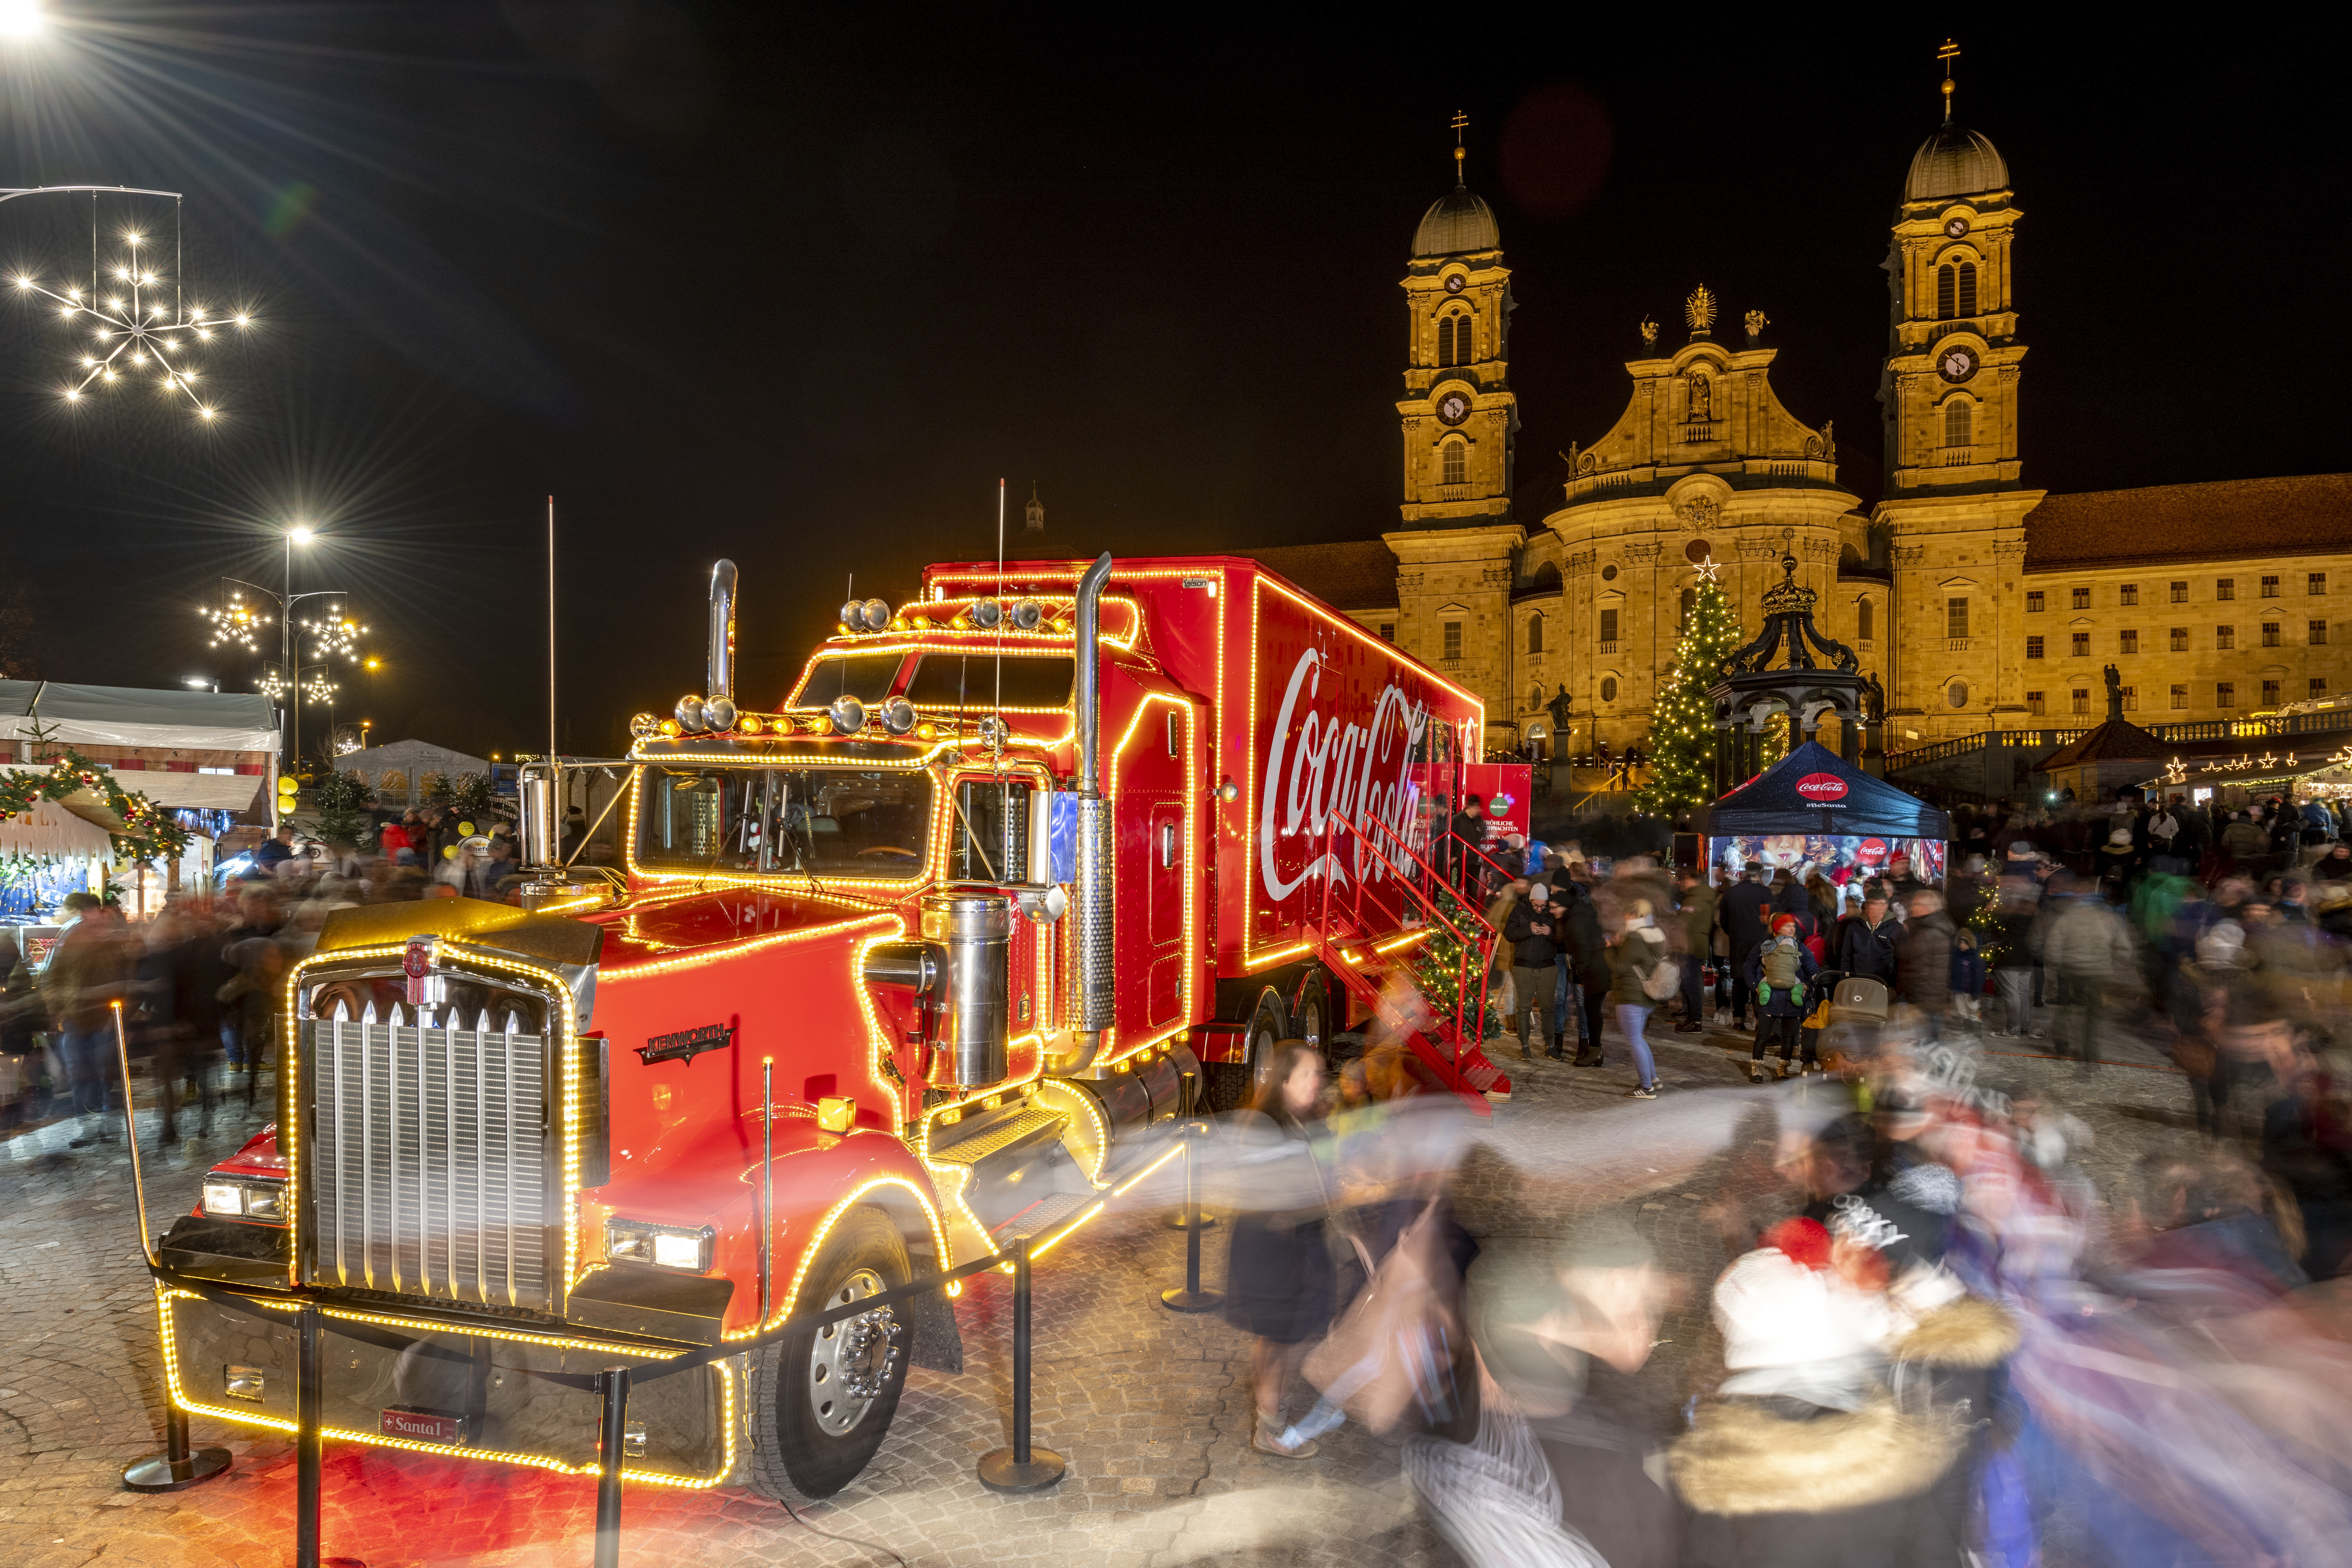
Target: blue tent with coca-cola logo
[{"x": 1810, "y": 790}]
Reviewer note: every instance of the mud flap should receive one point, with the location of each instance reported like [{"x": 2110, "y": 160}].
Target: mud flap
[{"x": 937, "y": 1342}]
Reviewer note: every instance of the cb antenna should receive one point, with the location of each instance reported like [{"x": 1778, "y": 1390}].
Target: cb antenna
[{"x": 1000, "y": 624}]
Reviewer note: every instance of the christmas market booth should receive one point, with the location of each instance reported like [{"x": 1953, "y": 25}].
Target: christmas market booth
[{"x": 1813, "y": 811}]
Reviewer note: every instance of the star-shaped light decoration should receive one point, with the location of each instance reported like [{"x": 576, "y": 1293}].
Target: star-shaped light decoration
[
  {"x": 272, "y": 685},
  {"x": 319, "y": 688},
  {"x": 139, "y": 331},
  {"x": 234, "y": 622},
  {"x": 336, "y": 633}
]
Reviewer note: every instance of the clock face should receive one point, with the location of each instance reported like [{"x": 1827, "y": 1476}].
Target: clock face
[
  {"x": 1956, "y": 227},
  {"x": 1955, "y": 364},
  {"x": 1455, "y": 283},
  {"x": 1454, "y": 408}
]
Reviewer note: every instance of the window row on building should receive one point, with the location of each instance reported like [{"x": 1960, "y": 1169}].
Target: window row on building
[
  {"x": 2270, "y": 586},
  {"x": 2271, "y": 634},
  {"x": 2225, "y": 695}
]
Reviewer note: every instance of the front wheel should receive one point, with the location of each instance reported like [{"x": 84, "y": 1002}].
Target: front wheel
[{"x": 826, "y": 1396}]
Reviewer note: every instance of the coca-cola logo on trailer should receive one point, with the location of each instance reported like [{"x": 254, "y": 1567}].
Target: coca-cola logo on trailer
[
  {"x": 1822, "y": 786},
  {"x": 1320, "y": 766}
]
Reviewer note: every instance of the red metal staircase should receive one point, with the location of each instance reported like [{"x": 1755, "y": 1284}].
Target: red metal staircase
[{"x": 1375, "y": 919}]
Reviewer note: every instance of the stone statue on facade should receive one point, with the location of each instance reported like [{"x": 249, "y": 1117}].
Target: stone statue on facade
[{"x": 2115, "y": 680}]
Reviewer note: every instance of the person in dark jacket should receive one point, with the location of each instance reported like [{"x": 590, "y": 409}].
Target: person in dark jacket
[
  {"x": 1533, "y": 931},
  {"x": 1586, "y": 954},
  {"x": 1864, "y": 943},
  {"x": 1923, "y": 960},
  {"x": 1780, "y": 973},
  {"x": 1745, "y": 910},
  {"x": 1279, "y": 1279},
  {"x": 1468, "y": 832}
]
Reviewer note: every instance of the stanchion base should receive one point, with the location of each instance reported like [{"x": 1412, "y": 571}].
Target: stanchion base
[
  {"x": 1175, "y": 1220},
  {"x": 156, "y": 1473},
  {"x": 1182, "y": 1301},
  {"x": 998, "y": 1473}
]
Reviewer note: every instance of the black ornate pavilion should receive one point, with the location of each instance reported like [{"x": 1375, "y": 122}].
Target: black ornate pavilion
[{"x": 1752, "y": 689}]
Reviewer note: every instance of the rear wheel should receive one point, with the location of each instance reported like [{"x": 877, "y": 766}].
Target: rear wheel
[
  {"x": 826, "y": 1396},
  {"x": 1229, "y": 1083},
  {"x": 1315, "y": 1013}
]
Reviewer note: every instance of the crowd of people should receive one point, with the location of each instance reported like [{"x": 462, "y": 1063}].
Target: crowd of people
[
  {"x": 1930, "y": 1336},
  {"x": 197, "y": 986}
]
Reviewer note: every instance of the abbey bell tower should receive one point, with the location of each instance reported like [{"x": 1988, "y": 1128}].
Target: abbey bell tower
[
  {"x": 1955, "y": 508},
  {"x": 1457, "y": 544}
]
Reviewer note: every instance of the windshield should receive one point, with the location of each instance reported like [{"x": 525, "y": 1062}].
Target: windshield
[
  {"x": 861, "y": 821},
  {"x": 970, "y": 680},
  {"x": 865, "y": 675}
]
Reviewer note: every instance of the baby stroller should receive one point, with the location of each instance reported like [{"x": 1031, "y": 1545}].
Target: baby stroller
[{"x": 1851, "y": 1017}]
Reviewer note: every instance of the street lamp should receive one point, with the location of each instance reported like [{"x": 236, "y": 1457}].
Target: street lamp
[
  {"x": 22, "y": 19},
  {"x": 234, "y": 622}
]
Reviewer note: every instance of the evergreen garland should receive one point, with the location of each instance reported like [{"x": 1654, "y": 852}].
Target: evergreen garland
[
  {"x": 1682, "y": 729},
  {"x": 149, "y": 832}
]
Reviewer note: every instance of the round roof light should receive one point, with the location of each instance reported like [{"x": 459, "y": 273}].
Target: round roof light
[
  {"x": 690, "y": 717},
  {"x": 1028, "y": 614},
  {"x": 720, "y": 713},
  {"x": 874, "y": 615},
  {"x": 986, "y": 614},
  {"x": 847, "y": 713},
  {"x": 898, "y": 715}
]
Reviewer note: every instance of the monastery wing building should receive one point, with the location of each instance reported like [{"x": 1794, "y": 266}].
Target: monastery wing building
[{"x": 1982, "y": 605}]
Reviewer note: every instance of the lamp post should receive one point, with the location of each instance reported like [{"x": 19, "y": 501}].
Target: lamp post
[{"x": 233, "y": 623}]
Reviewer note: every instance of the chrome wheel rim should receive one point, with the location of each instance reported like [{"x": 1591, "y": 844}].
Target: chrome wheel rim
[{"x": 851, "y": 1361}]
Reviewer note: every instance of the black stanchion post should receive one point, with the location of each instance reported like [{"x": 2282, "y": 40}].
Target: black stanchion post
[
  {"x": 1022, "y": 1467},
  {"x": 1192, "y": 1297},
  {"x": 613, "y": 1384},
  {"x": 307, "y": 1366},
  {"x": 178, "y": 1466}
]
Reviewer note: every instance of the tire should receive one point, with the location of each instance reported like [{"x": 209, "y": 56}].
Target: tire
[
  {"x": 816, "y": 1433},
  {"x": 1313, "y": 1016},
  {"x": 1230, "y": 1083}
]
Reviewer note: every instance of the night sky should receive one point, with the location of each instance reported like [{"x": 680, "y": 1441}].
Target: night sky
[{"x": 798, "y": 289}]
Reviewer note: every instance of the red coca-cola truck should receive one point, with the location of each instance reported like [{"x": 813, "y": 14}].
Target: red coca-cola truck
[{"x": 897, "y": 972}]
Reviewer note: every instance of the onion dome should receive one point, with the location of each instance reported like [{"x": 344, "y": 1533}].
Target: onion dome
[
  {"x": 1954, "y": 162},
  {"x": 1455, "y": 224}
]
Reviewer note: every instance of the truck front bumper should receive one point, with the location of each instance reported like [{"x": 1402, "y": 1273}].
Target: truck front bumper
[{"x": 402, "y": 1380}]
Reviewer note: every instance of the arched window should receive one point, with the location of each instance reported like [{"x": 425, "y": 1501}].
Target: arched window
[
  {"x": 1959, "y": 427},
  {"x": 1967, "y": 287},
  {"x": 1445, "y": 341},
  {"x": 1866, "y": 621},
  {"x": 1608, "y": 689},
  {"x": 1690, "y": 602},
  {"x": 1535, "y": 632},
  {"x": 1947, "y": 291},
  {"x": 1463, "y": 353},
  {"x": 1535, "y": 699},
  {"x": 394, "y": 781},
  {"x": 1458, "y": 463}
]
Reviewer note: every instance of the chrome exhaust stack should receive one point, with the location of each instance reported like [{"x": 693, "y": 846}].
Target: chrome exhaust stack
[
  {"x": 719, "y": 677},
  {"x": 1091, "y": 1012}
]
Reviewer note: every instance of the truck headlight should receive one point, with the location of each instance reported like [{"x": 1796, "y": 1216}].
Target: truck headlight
[
  {"x": 682, "y": 1248},
  {"x": 245, "y": 1198}
]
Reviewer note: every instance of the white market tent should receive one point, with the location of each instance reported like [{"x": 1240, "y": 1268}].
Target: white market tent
[{"x": 50, "y": 832}]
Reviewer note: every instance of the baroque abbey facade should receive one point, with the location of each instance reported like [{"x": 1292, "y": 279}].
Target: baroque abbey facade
[{"x": 1979, "y": 603}]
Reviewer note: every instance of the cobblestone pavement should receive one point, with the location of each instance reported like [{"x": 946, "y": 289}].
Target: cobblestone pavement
[{"x": 1152, "y": 1408}]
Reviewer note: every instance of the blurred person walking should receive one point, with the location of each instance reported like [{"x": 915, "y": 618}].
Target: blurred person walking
[
  {"x": 1744, "y": 912},
  {"x": 89, "y": 971},
  {"x": 1696, "y": 924},
  {"x": 1279, "y": 1277},
  {"x": 1922, "y": 959},
  {"x": 1637, "y": 963},
  {"x": 1585, "y": 971},
  {"x": 2089, "y": 955}
]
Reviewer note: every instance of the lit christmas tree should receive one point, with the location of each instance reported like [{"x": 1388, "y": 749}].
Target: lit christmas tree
[{"x": 1682, "y": 730}]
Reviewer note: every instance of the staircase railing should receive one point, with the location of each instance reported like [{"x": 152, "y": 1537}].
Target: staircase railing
[{"x": 1376, "y": 898}]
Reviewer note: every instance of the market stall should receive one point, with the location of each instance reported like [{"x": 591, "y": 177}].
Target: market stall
[{"x": 1811, "y": 810}]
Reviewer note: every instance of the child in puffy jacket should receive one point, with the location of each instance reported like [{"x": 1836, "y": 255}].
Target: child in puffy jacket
[{"x": 1968, "y": 975}]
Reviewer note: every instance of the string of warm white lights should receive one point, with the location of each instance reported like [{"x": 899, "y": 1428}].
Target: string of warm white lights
[{"x": 136, "y": 334}]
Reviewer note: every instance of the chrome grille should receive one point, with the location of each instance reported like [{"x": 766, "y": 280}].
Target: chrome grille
[{"x": 428, "y": 1166}]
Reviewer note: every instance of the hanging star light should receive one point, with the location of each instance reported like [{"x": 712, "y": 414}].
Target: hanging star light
[
  {"x": 234, "y": 622},
  {"x": 337, "y": 634},
  {"x": 139, "y": 329},
  {"x": 319, "y": 688},
  {"x": 273, "y": 686}
]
